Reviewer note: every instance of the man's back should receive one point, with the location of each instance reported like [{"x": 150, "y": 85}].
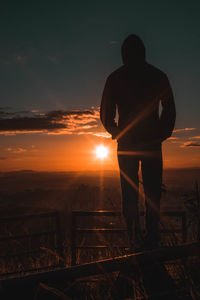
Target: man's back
[{"x": 136, "y": 92}]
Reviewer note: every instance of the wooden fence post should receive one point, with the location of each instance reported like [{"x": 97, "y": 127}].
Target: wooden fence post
[
  {"x": 59, "y": 239},
  {"x": 184, "y": 227},
  {"x": 73, "y": 239}
]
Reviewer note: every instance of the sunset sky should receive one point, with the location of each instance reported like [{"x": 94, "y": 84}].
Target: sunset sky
[{"x": 55, "y": 57}]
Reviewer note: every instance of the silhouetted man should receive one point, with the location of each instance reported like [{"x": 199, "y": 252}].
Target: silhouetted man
[{"x": 136, "y": 91}]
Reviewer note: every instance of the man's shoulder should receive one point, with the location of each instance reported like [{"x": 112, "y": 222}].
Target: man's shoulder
[
  {"x": 148, "y": 68},
  {"x": 148, "y": 71},
  {"x": 116, "y": 73},
  {"x": 154, "y": 71}
]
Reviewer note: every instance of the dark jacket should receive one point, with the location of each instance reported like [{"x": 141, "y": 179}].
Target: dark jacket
[{"x": 136, "y": 93}]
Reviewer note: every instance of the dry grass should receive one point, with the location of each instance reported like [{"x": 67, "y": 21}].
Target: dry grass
[{"x": 185, "y": 273}]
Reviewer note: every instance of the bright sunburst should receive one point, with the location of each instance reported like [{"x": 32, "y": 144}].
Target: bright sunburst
[{"x": 101, "y": 152}]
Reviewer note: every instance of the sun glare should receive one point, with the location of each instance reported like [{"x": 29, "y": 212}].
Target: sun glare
[{"x": 101, "y": 152}]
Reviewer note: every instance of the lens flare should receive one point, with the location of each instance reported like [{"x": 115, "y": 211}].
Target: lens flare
[{"x": 101, "y": 152}]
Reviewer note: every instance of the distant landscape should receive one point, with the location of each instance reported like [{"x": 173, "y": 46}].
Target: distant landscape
[{"x": 30, "y": 191}]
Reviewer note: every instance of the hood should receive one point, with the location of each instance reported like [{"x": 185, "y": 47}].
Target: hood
[{"x": 133, "y": 51}]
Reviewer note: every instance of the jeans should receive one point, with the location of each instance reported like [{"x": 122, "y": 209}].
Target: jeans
[{"x": 151, "y": 167}]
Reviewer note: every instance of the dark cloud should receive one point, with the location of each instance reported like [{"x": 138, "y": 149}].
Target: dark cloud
[
  {"x": 21, "y": 124},
  {"x": 5, "y": 114},
  {"x": 191, "y": 144},
  {"x": 183, "y": 129},
  {"x": 5, "y": 108},
  {"x": 60, "y": 121}
]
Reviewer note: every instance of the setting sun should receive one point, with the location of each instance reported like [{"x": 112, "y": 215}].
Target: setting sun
[{"x": 101, "y": 152}]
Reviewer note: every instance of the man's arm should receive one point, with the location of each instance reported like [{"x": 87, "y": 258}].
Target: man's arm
[
  {"x": 168, "y": 114},
  {"x": 108, "y": 109}
]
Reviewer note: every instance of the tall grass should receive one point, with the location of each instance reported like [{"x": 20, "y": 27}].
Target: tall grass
[{"x": 185, "y": 272}]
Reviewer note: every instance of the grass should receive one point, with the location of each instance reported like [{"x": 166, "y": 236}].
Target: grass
[{"x": 185, "y": 273}]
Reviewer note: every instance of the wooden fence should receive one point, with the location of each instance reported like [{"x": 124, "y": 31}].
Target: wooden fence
[
  {"x": 18, "y": 245},
  {"x": 76, "y": 230},
  {"x": 15, "y": 286}
]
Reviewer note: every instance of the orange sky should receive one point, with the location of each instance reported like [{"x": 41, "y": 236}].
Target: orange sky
[
  {"x": 66, "y": 140},
  {"x": 75, "y": 152}
]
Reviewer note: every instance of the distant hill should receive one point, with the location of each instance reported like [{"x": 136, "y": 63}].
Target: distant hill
[{"x": 29, "y": 179}]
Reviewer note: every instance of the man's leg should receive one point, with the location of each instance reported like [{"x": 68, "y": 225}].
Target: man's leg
[
  {"x": 152, "y": 179},
  {"x": 129, "y": 166}
]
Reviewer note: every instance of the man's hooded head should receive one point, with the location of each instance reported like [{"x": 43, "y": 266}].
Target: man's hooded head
[{"x": 133, "y": 51}]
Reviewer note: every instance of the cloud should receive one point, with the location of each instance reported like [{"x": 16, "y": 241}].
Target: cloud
[
  {"x": 20, "y": 150},
  {"x": 5, "y": 107},
  {"x": 52, "y": 122},
  {"x": 19, "y": 114},
  {"x": 183, "y": 129},
  {"x": 103, "y": 134},
  {"x": 174, "y": 139},
  {"x": 17, "y": 150},
  {"x": 195, "y": 137},
  {"x": 191, "y": 144}
]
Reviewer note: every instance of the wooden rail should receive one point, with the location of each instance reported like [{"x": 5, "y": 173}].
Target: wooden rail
[
  {"x": 75, "y": 230},
  {"x": 130, "y": 264},
  {"x": 120, "y": 263}
]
